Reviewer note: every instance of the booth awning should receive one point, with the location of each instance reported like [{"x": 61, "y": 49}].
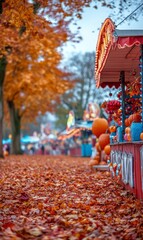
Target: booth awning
[
  {"x": 82, "y": 125},
  {"x": 116, "y": 51}
]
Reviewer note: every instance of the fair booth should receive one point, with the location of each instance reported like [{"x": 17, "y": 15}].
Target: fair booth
[{"x": 119, "y": 63}]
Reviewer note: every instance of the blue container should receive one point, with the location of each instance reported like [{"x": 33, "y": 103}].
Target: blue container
[
  {"x": 136, "y": 129},
  {"x": 112, "y": 135},
  {"x": 119, "y": 134},
  {"x": 83, "y": 150},
  {"x": 86, "y": 150}
]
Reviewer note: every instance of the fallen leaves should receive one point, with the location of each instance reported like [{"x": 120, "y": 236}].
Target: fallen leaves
[
  {"x": 24, "y": 197},
  {"x": 61, "y": 198}
]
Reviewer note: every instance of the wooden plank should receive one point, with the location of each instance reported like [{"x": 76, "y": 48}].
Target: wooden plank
[{"x": 101, "y": 167}]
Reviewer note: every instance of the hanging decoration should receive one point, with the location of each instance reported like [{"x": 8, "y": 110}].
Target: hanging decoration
[
  {"x": 71, "y": 120},
  {"x": 112, "y": 108},
  {"x": 92, "y": 112}
]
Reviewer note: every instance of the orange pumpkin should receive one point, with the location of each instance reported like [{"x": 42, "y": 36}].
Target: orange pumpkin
[
  {"x": 93, "y": 162},
  {"x": 112, "y": 129},
  {"x": 99, "y": 126},
  {"x": 141, "y": 136},
  {"x": 127, "y": 122},
  {"x": 136, "y": 117},
  {"x": 129, "y": 137},
  {"x": 104, "y": 140},
  {"x": 107, "y": 149},
  {"x": 127, "y": 130}
]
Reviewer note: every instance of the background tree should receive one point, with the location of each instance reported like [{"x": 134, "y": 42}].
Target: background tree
[
  {"x": 27, "y": 55},
  {"x": 84, "y": 92},
  {"x": 31, "y": 86}
]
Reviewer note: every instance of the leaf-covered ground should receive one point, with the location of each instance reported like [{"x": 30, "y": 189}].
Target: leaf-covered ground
[{"x": 47, "y": 198}]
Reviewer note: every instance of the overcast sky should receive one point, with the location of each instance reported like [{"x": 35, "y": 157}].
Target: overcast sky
[{"x": 90, "y": 26}]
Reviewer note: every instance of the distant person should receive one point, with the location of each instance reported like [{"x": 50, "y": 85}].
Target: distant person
[
  {"x": 66, "y": 148},
  {"x": 42, "y": 149},
  {"x": 32, "y": 150},
  {"x": 7, "y": 149}
]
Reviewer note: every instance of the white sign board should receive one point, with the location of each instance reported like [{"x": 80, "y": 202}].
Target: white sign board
[
  {"x": 124, "y": 161},
  {"x": 141, "y": 157}
]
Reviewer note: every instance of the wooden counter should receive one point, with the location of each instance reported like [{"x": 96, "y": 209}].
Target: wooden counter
[{"x": 127, "y": 159}]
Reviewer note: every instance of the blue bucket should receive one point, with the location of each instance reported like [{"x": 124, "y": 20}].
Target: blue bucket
[
  {"x": 136, "y": 129},
  {"x": 119, "y": 134}
]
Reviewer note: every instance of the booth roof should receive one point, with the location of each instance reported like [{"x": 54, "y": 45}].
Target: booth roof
[
  {"x": 128, "y": 33},
  {"x": 85, "y": 125},
  {"x": 82, "y": 125},
  {"x": 116, "y": 51}
]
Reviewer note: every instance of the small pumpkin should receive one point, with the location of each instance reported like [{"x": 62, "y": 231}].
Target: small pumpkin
[
  {"x": 127, "y": 130},
  {"x": 141, "y": 136},
  {"x": 107, "y": 149},
  {"x": 127, "y": 122},
  {"x": 112, "y": 129},
  {"x": 129, "y": 137},
  {"x": 104, "y": 140},
  {"x": 93, "y": 162}
]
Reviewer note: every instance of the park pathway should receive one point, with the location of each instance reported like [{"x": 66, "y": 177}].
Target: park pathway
[{"x": 60, "y": 197}]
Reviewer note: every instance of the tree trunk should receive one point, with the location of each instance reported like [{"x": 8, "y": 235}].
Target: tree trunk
[
  {"x": 15, "y": 128},
  {"x": 3, "y": 64}
]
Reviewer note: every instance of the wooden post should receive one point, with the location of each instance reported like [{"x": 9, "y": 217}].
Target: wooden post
[
  {"x": 122, "y": 79},
  {"x": 141, "y": 73}
]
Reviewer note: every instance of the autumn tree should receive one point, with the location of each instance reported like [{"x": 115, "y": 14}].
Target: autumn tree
[
  {"x": 31, "y": 85},
  {"x": 20, "y": 22},
  {"x": 40, "y": 57}
]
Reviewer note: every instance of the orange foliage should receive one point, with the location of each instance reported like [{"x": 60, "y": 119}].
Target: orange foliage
[
  {"x": 33, "y": 77},
  {"x": 31, "y": 42},
  {"x": 54, "y": 197}
]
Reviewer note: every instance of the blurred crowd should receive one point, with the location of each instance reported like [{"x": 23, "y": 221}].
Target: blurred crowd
[{"x": 55, "y": 147}]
